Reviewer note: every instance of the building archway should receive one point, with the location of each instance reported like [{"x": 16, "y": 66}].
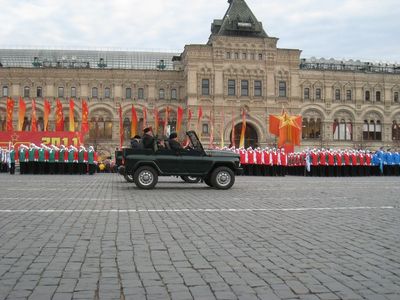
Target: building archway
[{"x": 251, "y": 136}]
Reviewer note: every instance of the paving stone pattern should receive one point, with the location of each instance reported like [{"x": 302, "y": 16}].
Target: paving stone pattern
[{"x": 99, "y": 237}]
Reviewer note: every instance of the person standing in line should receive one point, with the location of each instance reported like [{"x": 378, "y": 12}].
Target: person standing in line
[
  {"x": 91, "y": 160},
  {"x": 12, "y": 160}
]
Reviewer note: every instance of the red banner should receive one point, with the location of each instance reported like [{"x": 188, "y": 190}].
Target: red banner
[{"x": 43, "y": 137}]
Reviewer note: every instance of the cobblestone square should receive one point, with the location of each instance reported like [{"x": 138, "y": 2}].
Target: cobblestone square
[{"x": 99, "y": 237}]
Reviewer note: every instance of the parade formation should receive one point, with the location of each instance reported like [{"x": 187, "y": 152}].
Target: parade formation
[
  {"x": 49, "y": 159},
  {"x": 318, "y": 162}
]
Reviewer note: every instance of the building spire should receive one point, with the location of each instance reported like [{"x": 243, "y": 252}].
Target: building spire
[{"x": 239, "y": 20}]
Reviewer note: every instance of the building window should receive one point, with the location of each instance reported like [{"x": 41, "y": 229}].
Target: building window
[
  {"x": 174, "y": 94},
  {"x": 396, "y": 97},
  {"x": 244, "y": 55},
  {"x": 367, "y": 96},
  {"x": 73, "y": 92},
  {"x": 311, "y": 129},
  {"x": 395, "y": 131},
  {"x": 245, "y": 88},
  {"x": 348, "y": 95},
  {"x": 236, "y": 55},
  {"x": 39, "y": 93},
  {"x": 228, "y": 55},
  {"x": 343, "y": 130},
  {"x": 5, "y": 91},
  {"x": 205, "y": 87},
  {"x": 378, "y": 96},
  {"x": 95, "y": 92},
  {"x": 231, "y": 87},
  {"x": 260, "y": 56},
  {"x": 128, "y": 93},
  {"x": 372, "y": 131},
  {"x": 161, "y": 94},
  {"x": 107, "y": 93},
  {"x": 205, "y": 129},
  {"x": 318, "y": 94},
  {"x": 100, "y": 128},
  {"x": 306, "y": 93},
  {"x": 60, "y": 92},
  {"x": 141, "y": 93},
  {"x": 337, "y": 95},
  {"x": 257, "y": 88},
  {"x": 282, "y": 89},
  {"x": 27, "y": 91}
]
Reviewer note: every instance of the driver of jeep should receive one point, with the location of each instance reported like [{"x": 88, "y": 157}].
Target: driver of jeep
[{"x": 173, "y": 141}]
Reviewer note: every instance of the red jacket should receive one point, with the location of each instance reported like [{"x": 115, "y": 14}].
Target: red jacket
[
  {"x": 331, "y": 159},
  {"x": 314, "y": 159},
  {"x": 322, "y": 158}
]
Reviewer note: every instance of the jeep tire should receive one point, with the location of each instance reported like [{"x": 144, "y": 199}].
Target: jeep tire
[
  {"x": 207, "y": 181},
  {"x": 222, "y": 178},
  {"x": 145, "y": 177}
]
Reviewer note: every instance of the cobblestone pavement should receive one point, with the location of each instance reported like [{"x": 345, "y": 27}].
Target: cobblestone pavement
[{"x": 98, "y": 237}]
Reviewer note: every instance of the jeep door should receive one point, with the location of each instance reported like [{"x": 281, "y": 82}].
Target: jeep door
[
  {"x": 168, "y": 161},
  {"x": 194, "y": 162}
]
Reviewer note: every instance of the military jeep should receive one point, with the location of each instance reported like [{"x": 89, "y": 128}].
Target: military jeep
[{"x": 216, "y": 168}]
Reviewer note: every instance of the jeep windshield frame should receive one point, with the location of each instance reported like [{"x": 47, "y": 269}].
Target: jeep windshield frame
[{"x": 195, "y": 141}]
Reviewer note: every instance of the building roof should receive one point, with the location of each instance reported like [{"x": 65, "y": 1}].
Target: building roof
[
  {"x": 85, "y": 59},
  {"x": 239, "y": 20}
]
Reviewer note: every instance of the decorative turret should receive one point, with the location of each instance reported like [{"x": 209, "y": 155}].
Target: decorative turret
[{"x": 239, "y": 20}]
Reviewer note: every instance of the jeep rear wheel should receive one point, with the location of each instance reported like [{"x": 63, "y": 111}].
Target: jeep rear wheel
[
  {"x": 191, "y": 179},
  {"x": 145, "y": 177},
  {"x": 222, "y": 178}
]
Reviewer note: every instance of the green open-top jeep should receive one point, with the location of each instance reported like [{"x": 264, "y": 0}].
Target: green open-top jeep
[{"x": 216, "y": 168}]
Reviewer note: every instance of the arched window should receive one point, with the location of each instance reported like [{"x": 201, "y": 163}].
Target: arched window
[
  {"x": 2, "y": 121},
  {"x": 127, "y": 128},
  {"x": 107, "y": 93},
  {"x": 395, "y": 131},
  {"x": 306, "y": 94},
  {"x": 349, "y": 95},
  {"x": 108, "y": 126},
  {"x": 40, "y": 124},
  {"x": 174, "y": 94},
  {"x": 342, "y": 130},
  {"x": 396, "y": 97},
  {"x": 367, "y": 96},
  {"x": 161, "y": 94},
  {"x": 337, "y": 94},
  {"x": 95, "y": 92},
  {"x": 27, "y": 92},
  {"x": 26, "y": 126},
  {"x": 372, "y": 130},
  {"x": 318, "y": 94},
  {"x": 311, "y": 128},
  {"x": 378, "y": 96}
]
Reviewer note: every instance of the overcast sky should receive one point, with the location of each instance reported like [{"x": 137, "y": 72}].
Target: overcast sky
[{"x": 350, "y": 29}]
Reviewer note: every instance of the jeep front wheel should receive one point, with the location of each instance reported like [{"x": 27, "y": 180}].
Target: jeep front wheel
[
  {"x": 222, "y": 178},
  {"x": 145, "y": 177}
]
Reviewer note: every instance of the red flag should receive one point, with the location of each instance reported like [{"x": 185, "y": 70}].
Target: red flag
[
  {"x": 200, "y": 115},
  {"x": 156, "y": 120},
  {"x": 33, "y": 117},
  {"x": 134, "y": 122},
  {"x": 211, "y": 129},
  {"x": 243, "y": 133},
  {"x": 47, "y": 108},
  {"x": 121, "y": 128},
  {"x": 59, "y": 116},
  {"x": 233, "y": 130},
  {"x": 85, "y": 118},
  {"x": 144, "y": 117},
  {"x": 179, "y": 119},
  {"x": 166, "y": 121},
  {"x": 190, "y": 115},
  {"x": 21, "y": 114},
  {"x": 9, "y": 117},
  {"x": 71, "y": 115}
]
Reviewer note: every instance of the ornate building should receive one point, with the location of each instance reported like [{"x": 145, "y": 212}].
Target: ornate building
[{"x": 343, "y": 103}]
